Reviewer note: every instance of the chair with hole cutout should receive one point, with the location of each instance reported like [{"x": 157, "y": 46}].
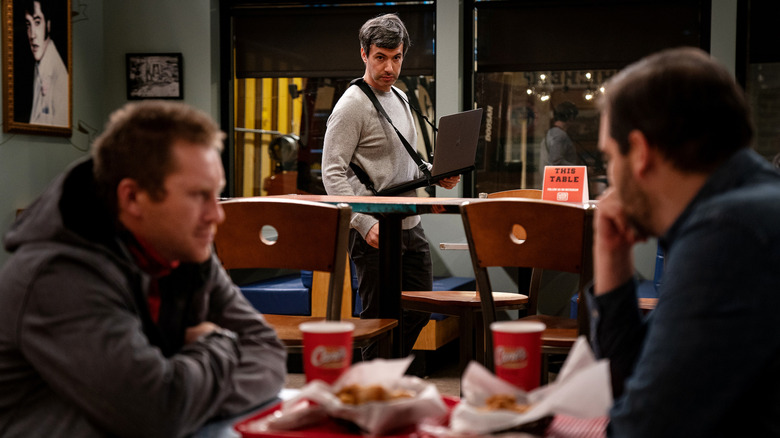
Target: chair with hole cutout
[
  {"x": 517, "y": 193},
  {"x": 290, "y": 234},
  {"x": 532, "y": 234},
  {"x": 466, "y": 304}
]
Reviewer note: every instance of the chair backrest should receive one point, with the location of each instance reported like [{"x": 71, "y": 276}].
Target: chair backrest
[
  {"x": 261, "y": 232},
  {"x": 529, "y": 233},
  {"x": 524, "y": 276},
  {"x": 517, "y": 193}
]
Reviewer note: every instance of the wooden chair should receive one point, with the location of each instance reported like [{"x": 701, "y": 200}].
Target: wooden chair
[
  {"x": 466, "y": 305},
  {"x": 517, "y": 193},
  {"x": 533, "y": 234},
  {"x": 308, "y": 235},
  {"x": 514, "y": 193}
]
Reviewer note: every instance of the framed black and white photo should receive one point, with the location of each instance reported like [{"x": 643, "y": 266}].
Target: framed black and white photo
[
  {"x": 154, "y": 76},
  {"x": 37, "y": 67}
]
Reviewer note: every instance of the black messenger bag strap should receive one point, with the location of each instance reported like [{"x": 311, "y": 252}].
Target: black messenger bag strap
[
  {"x": 417, "y": 160},
  {"x": 363, "y": 177}
]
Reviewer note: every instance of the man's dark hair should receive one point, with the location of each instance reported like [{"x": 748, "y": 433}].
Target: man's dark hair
[
  {"x": 566, "y": 111},
  {"x": 686, "y": 104},
  {"x": 137, "y": 144},
  {"x": 29, "y": 8},
  {"x": 385, "y": 31}
]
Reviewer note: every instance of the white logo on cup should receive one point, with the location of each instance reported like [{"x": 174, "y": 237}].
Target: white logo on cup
[
  {"x": 328, "y": 357},
  {"x": 511, "y": 357}
]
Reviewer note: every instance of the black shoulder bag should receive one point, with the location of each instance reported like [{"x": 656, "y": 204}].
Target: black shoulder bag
[{"x": 360, "y": 173}]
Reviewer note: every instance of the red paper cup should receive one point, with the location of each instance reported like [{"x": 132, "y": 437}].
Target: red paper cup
[
  {"x": 517, "y": 352},
  {"x": 327, "y": 349}
]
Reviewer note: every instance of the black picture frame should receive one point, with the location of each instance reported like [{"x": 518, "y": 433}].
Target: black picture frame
[
  {"x": 154, "y": 76},
  {"x": 52, "y": 112}
]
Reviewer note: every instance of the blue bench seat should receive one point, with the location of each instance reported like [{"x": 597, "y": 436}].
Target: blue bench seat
[
  {"x": 290, "y": 294},
  {"x": 286, "y": 295},
  {"x": 645, "y": 289}
]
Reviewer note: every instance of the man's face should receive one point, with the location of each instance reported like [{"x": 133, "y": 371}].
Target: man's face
[
  {"x": 635, "y": 202},
  {"x": 182, "y": 225},
  {"x": 37, "y": 31},
  {"x": 383, "y": 65}
]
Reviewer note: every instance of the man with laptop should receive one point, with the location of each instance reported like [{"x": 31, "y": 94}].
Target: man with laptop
[{"x": 359, "y": 137}]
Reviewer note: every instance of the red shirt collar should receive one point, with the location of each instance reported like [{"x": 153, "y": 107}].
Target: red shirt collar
[{"x": 149, "y": 260}]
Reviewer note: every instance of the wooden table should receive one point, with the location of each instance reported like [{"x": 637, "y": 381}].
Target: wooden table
[
  {"x": 647, "y": 304},
  {"x": 365, "y": 332},
  {"x": 390, "y": 210}
]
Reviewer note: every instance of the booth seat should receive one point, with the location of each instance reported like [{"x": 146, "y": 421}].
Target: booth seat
[
  {"x": 645, "y": 289},
  {"x": 291, "y": 295},
  {"x": 285, "y": 295}
]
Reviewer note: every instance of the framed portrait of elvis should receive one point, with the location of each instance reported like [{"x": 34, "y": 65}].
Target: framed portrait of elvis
[{"x": 37, "y": 67}]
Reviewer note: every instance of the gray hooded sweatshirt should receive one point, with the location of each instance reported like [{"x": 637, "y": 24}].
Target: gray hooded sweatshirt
[{"x": 79, "y": 353}]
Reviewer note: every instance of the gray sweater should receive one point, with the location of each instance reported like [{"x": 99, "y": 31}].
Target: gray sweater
[{"x": 357, "y": 133}]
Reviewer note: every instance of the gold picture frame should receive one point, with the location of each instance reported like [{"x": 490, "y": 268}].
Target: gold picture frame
[{"x": 37, "y": 67}]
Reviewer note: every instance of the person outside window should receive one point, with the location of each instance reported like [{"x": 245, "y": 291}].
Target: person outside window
[{"x": 558, "y": 149}]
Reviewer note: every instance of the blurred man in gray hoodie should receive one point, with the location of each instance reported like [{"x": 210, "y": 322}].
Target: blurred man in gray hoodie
[{"x": 116, "y": 319}]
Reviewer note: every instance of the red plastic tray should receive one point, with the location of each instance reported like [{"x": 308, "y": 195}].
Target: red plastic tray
[{"x": 328, "y": 428}]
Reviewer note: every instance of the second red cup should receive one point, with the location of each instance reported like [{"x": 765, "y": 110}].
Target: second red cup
[
  {"x": 517, "y": 352},
  {"x": 327, "y": 349}
]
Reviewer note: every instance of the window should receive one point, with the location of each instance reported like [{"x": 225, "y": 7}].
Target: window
[
  {"x": 521, "y": 109},
  {"x": 762, "y": 81},
  {"x": 532, "y": 56}
]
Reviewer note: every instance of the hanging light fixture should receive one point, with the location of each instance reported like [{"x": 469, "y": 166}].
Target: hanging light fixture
[
  {"x": 544, "y": 88},
  {"x": 589, "y": 94},
  {"x": 590, "y": 91}
]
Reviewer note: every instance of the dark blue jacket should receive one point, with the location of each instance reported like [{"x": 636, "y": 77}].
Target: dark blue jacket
[{"x": 706, "y": 361}]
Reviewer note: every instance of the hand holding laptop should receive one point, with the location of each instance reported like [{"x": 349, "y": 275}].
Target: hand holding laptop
[
  {"x": 456, "y": 149},
  {"x": 449, "y": 182}
]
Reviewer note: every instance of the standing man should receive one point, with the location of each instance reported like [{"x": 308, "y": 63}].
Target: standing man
[
  {"x": 357, "y": 133},
  {"x": 116, "y": 318},
  {"x": 50, "y": 84},
  {"x": 676, "y": 130},
  {"x": 558, "y": 149}
]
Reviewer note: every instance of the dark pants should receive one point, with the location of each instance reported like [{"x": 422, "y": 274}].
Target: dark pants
[{"x": 417, "y": 274}]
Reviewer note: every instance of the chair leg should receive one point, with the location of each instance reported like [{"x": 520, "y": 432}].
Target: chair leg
[
  {"x": 385, "y": 345},
  {"x": 545, "y": 377},
  {"x": 480, "y": 331},
  {"x": 467, "y": 351}
]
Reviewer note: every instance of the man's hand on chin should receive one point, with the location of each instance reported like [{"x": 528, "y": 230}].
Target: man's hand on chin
[{"x": 614, "y": 238}]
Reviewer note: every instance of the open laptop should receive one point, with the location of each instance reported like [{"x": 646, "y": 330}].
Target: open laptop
[{"x": 456, "y": 148}]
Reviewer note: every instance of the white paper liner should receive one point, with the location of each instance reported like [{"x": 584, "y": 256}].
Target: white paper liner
[
  {"x": 582, "y": 390},
  {"x": 375, "y": 418},
  {"x": 298, "y": 416}
]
